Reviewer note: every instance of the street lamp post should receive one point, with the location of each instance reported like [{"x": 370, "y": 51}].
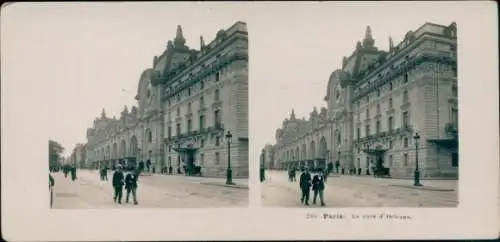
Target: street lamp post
[
  {"x": 229, "y": 174},
  {"x": 417, "y": 172}
]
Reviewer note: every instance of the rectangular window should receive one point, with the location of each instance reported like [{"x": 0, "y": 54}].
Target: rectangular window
[
  {"x": 189, "y": 92},
  {"x": 217, "y": 120},
  {"x": 405, "y": 142},
  {"x": 378, "y": 127},
  {"x": 390, "y": 144},
  {"x": 178, "y": 129},
  {"x": 217, "y": 76},
  {"x": 358, "y": 133},
  {"x": 169, "y": 149},
  {"x": 367, "y": 113},
  {"x": 202, "y": 122},
  {"x": 202, "y": 102},
  {"x": 390, "y": 160},
  {"x": 216, "y": 95},
  {"x": 405, "y": 119},
  {"x": 406, "y": 78},
  {"x": 178, "y": 97},
  {"x": 178, "y": 111},
  {"x": 405, "y": 160},
  {"x": 390, "y": 103},
  {"x": 367, "y": 130},
  {"x": 189, "y": 125},
  {"x": 202, "y": 143},
  {"x": 169, "y": 132},
  {"x": 202, "y": 159},
  {"x": 454, "y": 116},
  {"x": 217, "y": 141},
  {"x": 202, "y": 84},
  {"x": 378, "y": 108},
  {"x": 390, "y": 124}
]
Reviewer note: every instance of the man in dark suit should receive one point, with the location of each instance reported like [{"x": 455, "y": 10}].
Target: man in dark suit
[
  {"x": 305, "y": 186},
  {"x": 318, "y": 186},
  {"x": 118, "y": 184},
  {"x": 131, "y": 185}
]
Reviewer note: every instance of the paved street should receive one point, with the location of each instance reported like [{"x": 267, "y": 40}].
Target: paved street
[
  {"x": 154, "y": 191},
  {"x": 363, "y": 191}
]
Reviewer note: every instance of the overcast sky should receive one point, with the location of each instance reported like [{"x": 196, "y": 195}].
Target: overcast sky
[{"x": 82, "y": 57}]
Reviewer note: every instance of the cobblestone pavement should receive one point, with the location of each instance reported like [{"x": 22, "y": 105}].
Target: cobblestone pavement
[
  {"x": 362, "y": 191},
  {"x": 154, "y": 191}
]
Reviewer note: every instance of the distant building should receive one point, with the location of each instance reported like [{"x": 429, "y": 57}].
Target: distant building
[
  {"x": 187, "y": 102},
  {"x": 269, "y": 157},
  {"x": 376, "y": 103}
]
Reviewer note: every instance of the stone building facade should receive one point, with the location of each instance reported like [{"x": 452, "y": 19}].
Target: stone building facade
[
  {"x": 187, "y": 103},
  {"x": 377, "y": 102}
]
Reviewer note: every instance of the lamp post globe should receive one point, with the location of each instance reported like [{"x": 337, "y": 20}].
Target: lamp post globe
[
  {"x": 416, "y": 177},
  {"x": 229, "y": 173}
]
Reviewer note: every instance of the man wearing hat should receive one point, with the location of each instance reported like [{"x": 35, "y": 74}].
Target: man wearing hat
[{"x": 118, "y": 182}]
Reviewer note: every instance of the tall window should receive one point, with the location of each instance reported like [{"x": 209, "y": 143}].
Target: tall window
[
  {"x": 169, "y": 132},
  {"x": 202, "y": 159},
  {"x": 378, "y": 108},
  {"x": 189, "y": 125},
  {"x": 358, "y": 133},
  {"x": 202, "y": 102},
  {"x": 178, "y": 97},
  {"x": 217, "y": 158},
  {"x": 405, "y": 119},
  {"x": 378, "y": 92},
  {"x": 178, "y": 128},
  {"x": 189, "y": 107},
  {"x": 339, "y": 140},
  {"x": 189, "y": 91},
  {"x": 390, "y": 86},
  {"x": 390, "y": 122},
  {"x": 405, "y": 96},
  {"x": 217, "y": 141},
  {"x": 367, "y": 113},
  {"x": 454, "y": 91},
  {"x": 454, "y": 116},
  {"x": 406, "y": 78},
  {"x": 405, "y": 142},
  {"x": 216, "y": 95},
  {"x": 178, "y": 111},
  {"x": 367, "y": 130},
  {"x": 390, "y": 103},
  {"x": 202, "y": 85},
  {"x": 405, "y": 160},
  {"x": 202, "y": 143},
  {"x": 378, "y": 127},
  {"x": 217, "y": 117},
  {"x": 169, "y": 149},
  {"x": 202, "y": 122},
  {"x": 367, "y": 98},
  {"x": 149, "y": 135},
  {"x": 390, "y": 144},
  {"x": 454, "y": 69},
  {"x": 217, "y": 76}
]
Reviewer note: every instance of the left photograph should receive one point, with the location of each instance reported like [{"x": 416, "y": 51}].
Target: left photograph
[{"x": 181, "y": 142}]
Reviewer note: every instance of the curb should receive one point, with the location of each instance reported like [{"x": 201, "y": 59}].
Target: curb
[
  {"x": 224, "y": 185},
  {"x": 437, "y": 189}
]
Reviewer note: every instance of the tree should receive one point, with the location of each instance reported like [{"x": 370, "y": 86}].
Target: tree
[{"x": 55, "y": 153}]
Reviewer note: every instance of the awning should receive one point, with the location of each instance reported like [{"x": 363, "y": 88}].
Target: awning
[
  {"x": 446, "y": 142},
  {"x": 186, "y": 149},
  {"x": 376, "y": 151}
]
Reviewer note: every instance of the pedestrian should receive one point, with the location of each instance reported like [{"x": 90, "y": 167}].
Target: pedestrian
[
  {"x": 305, "y": 186},
  {"x": 131, "y": 186},
  {"x": 170, "y": 170},
  {"x": 73, "y": 173},
  {"x": 318, "y": 187},
  {"x": 118, "y": 182},
  {"x": 294, "y": 174},
  {"x": 105, "y": 173},
  {"x": 51, "y": 188}
]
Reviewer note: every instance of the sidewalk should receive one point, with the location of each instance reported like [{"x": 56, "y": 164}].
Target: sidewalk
[
  {"x": 213, "y": 181},
  {"x": 431, "y": 185}
]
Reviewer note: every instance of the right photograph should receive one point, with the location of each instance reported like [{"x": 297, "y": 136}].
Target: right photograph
[{"x": 386, "y": 134}]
